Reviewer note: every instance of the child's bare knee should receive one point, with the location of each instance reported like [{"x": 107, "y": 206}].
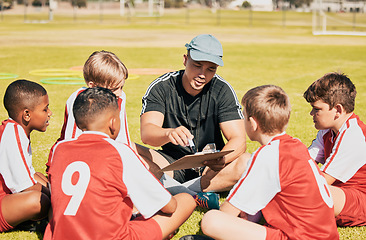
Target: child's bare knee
[
  {"x": 37, "y": 203},
  {"x": 186, "y": 199},
  {"x": 209, "y": 221},
  {"x": 33, "y": 201}
]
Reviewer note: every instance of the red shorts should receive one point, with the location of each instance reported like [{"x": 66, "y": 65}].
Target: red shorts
[
  {"x": 139, "y": 228},
  {"x": 4, "y": 226},
  {"x": 354, "y": 210}
]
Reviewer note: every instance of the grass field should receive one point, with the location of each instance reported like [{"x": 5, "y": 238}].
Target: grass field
[{"x": 264, "y": 50}]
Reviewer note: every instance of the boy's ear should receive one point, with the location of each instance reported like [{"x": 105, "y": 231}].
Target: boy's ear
[
  {"x": 113, "y": 127},
  {"x": 339, "y": 110},
  {"x": 26, "y": 116},
  {"x": 91, "y": 84},
  {"x": 253, "y": 124}
]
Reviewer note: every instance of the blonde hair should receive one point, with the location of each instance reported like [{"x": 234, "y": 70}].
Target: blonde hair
[
  {"x": 104, "y": 69},
  {"x": 270, "y": 106}
]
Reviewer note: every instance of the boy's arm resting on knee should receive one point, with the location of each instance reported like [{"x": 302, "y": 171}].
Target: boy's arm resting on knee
[
  {"x": 170, "y": 207},
  {"x": 229, "y": 209}
]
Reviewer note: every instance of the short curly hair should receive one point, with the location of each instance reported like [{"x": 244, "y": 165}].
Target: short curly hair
[
  {"x": 92, "y": 103},
  {"x": 333, "y": 88},
  {"x": 22, "y": 94}
]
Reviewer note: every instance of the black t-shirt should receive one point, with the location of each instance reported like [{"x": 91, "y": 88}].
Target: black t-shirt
[{"x": 201, "y": 114}]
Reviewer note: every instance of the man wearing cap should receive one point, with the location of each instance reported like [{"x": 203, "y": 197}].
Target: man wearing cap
[{"x": 196, "y": 104}]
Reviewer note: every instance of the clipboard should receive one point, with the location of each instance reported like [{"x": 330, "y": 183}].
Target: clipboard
[{"x": 194, "y": 160}]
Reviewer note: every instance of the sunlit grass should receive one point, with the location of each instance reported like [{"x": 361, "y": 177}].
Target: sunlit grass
[{"x": 265, "y": 51}]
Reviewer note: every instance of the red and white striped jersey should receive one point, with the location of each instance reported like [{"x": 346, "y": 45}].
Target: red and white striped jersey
[
  {"x": 95, "y": 182},
  {"x": 16, "y": 169},
  {"x": 284, "y": 182},
  {"x": 343, "y": 155}
]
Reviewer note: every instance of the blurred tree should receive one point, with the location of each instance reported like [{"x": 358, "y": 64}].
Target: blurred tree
[
  {"x": 246, "y": 4},
  {"x": 6, "y": 4},
  {"x": 78, "y": 3},
  {"x": 173, "y": 3}
]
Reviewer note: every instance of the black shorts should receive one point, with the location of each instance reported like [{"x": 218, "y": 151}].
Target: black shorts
[{"x": 183, "y": 175}]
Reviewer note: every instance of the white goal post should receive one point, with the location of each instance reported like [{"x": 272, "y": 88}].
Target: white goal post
[
  {"x": 155, "y": 7},
  {"x": 339, "y": 17}
]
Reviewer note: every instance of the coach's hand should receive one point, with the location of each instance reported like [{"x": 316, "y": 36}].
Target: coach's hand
[{"x": 179, "y": 136}]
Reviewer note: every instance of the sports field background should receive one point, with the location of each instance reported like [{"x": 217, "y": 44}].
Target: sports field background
[{"x": 265, "y": 50}]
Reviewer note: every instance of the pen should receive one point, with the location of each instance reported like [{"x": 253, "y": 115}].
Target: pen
[{"x": 191, "y": 145}]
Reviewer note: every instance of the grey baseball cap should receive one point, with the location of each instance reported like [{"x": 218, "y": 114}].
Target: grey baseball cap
[{"x": 206, "y": 47}]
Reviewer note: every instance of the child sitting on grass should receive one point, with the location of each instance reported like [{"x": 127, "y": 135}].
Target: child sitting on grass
[
  {"x": 96, "y": 181},
  {"x": 340, "y": 145},
  {"x": 102, "y": 69},
  {"x": 23, "y": 192},
  {"x": 281, "y": 180}
]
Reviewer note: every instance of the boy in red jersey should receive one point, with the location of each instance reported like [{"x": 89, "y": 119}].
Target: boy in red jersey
[
  {"x": 340, "y": 145},
  {"x": 96, "y": 181},
  {"x": 23, "y": 192},
  {"x": 281, "y": 180}
]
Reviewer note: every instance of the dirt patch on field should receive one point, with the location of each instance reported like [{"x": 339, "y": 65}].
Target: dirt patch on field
[
  {"x": 136, "y": 71},
  {"x": 161, "y": 38},
  {"x": 149, "y": 71}
]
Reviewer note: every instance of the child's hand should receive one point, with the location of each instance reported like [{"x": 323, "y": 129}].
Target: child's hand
[{"x": 40, "y": 178}]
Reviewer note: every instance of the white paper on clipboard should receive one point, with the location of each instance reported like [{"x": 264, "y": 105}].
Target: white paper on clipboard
[{"x": 194, "y": 160}]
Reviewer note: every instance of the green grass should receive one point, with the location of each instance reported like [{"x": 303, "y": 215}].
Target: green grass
[{"x": 266, "y": 50}]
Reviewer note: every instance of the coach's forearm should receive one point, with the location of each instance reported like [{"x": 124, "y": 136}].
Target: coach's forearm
[
  {"x": 154, "y": 135},
  {"x": 238, "y": 144},
  {"x": 234, "y": 132}
]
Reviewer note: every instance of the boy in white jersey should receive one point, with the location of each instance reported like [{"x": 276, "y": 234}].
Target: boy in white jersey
[
  {"x": 104, "y": 69},
  {"x": 340, "y": 145},
  {"x": 96, "y": 181},
  {"x": 23, "y": 192},
  {"x": 281, "y": 180}
]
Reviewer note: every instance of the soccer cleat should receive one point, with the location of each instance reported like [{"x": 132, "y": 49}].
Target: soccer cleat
[
  {"x": 207, "y": 200},
  {"x": 195, "y": 237},
  {"x": 33, "y": 226}
]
